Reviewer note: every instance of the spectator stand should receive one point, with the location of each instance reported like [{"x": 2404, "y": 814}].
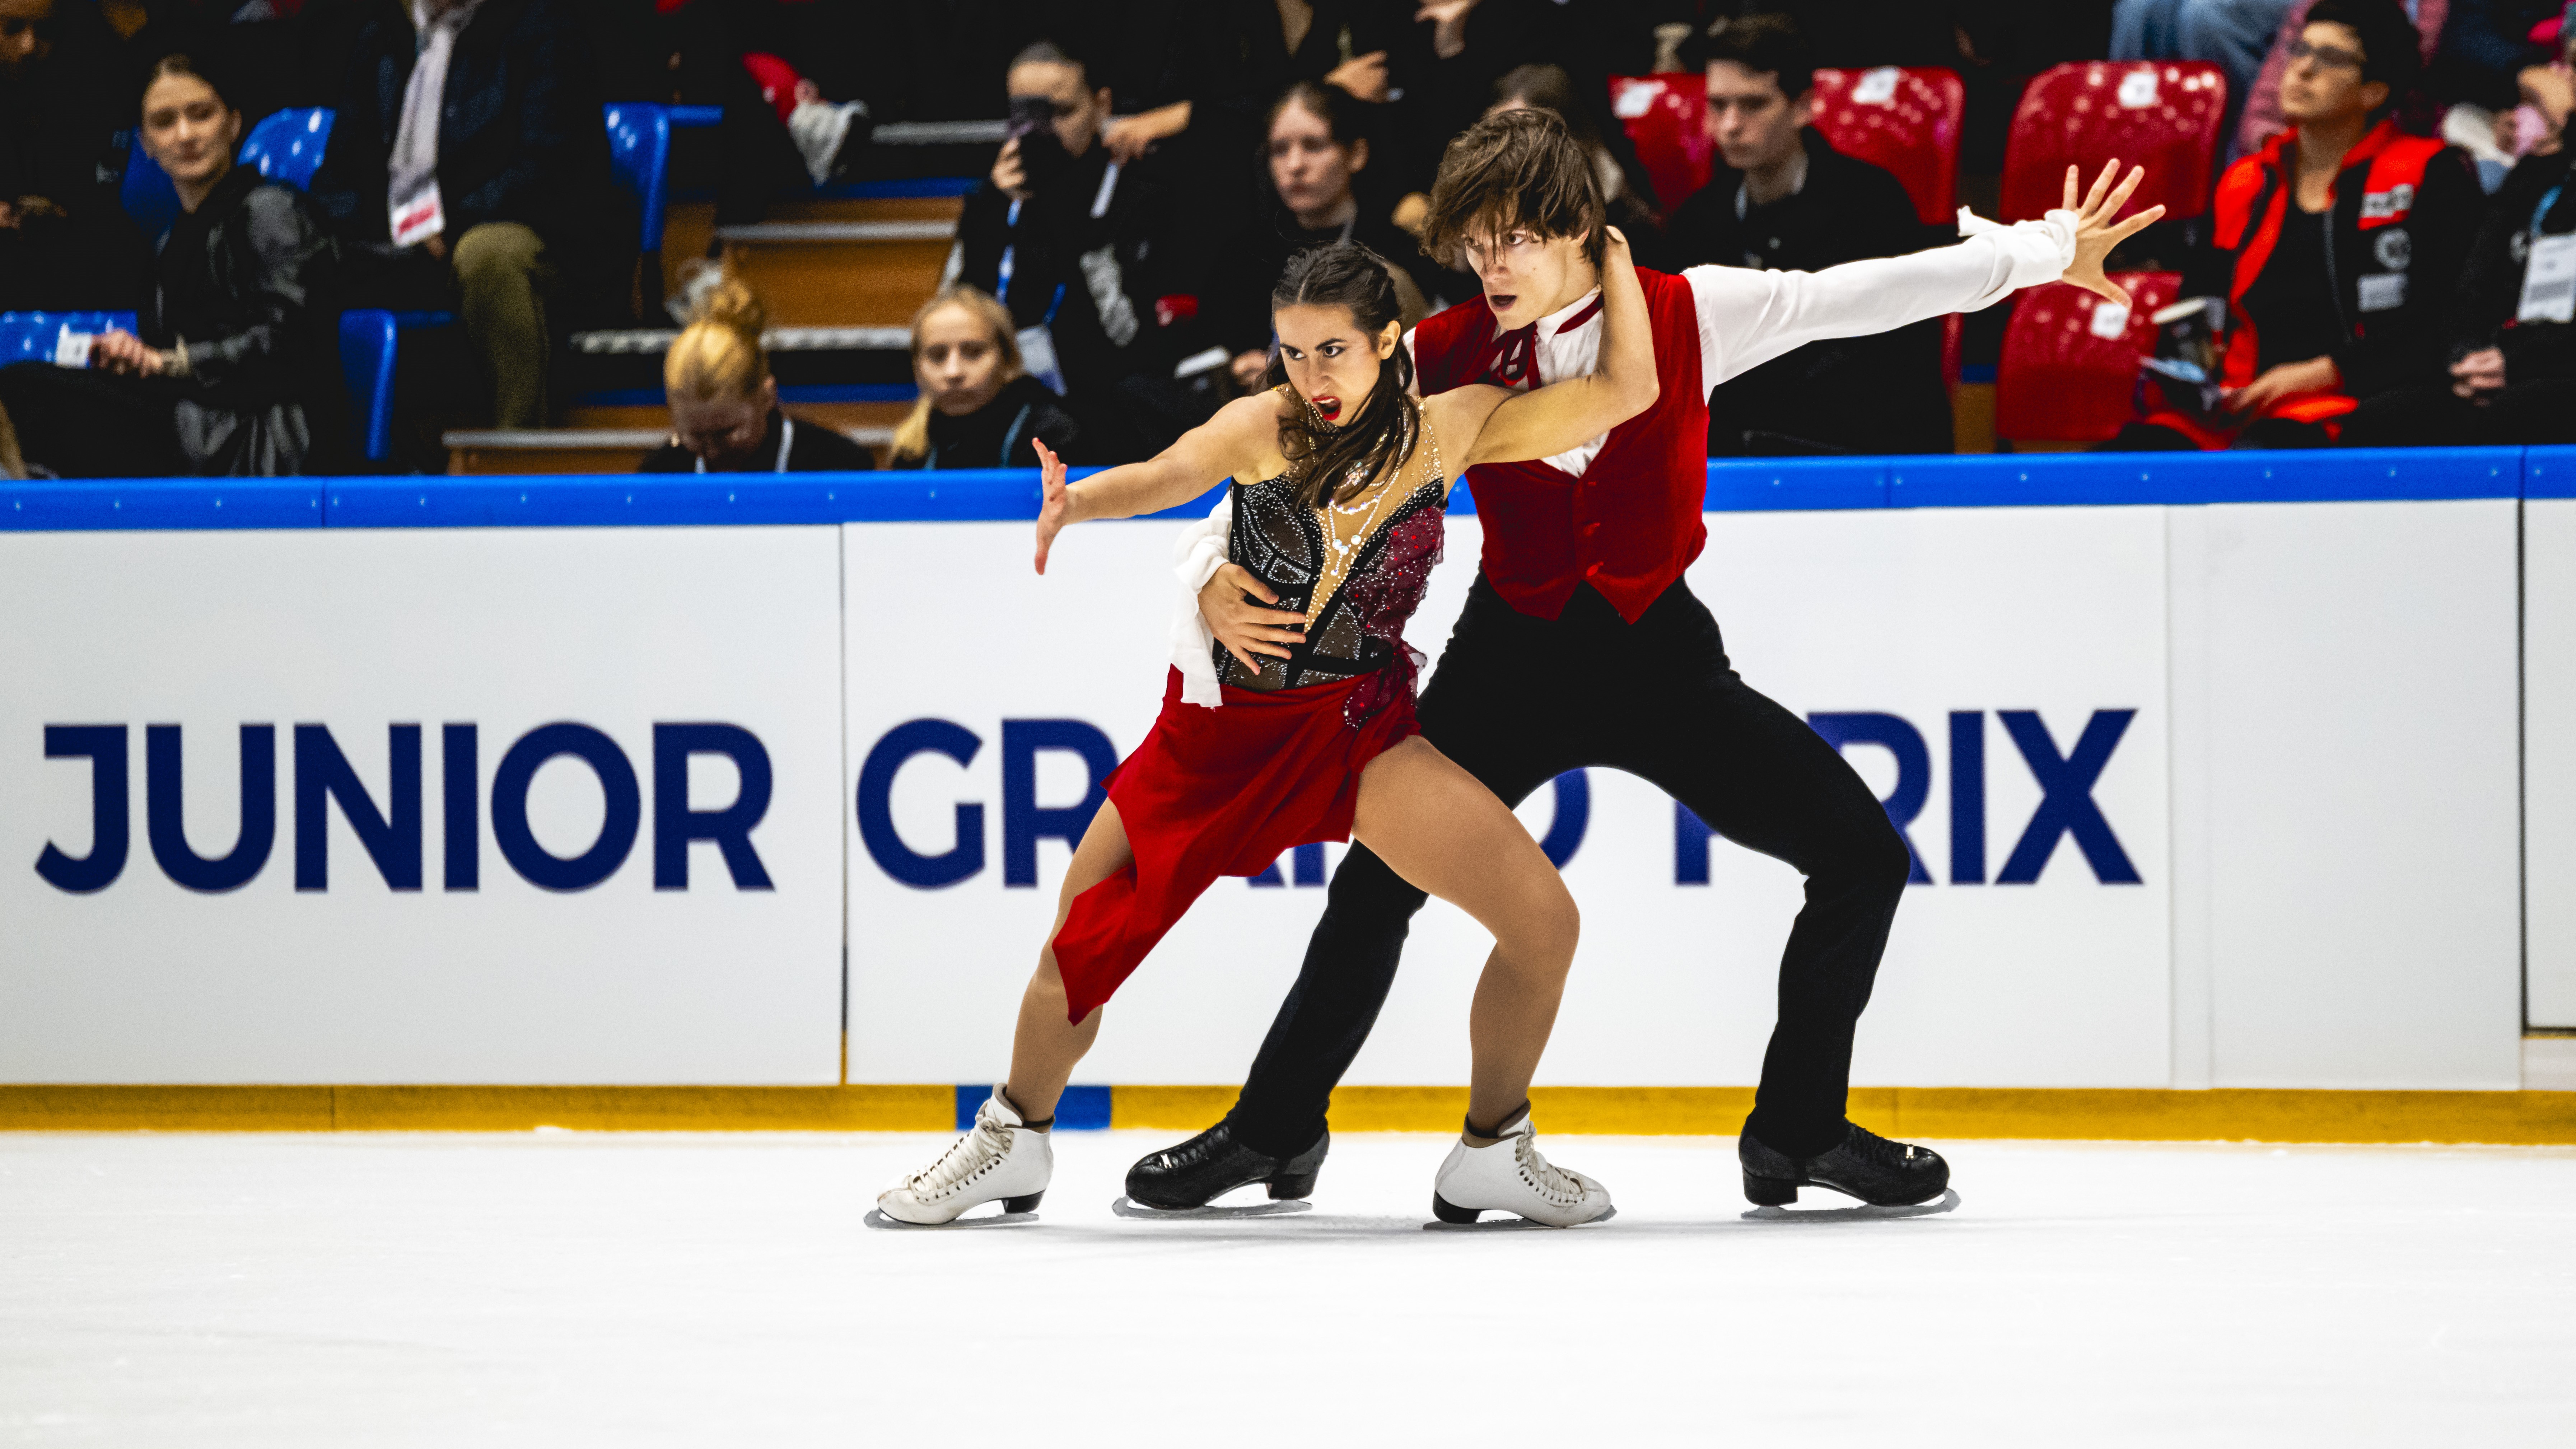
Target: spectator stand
[
  {"x": 2163, "y": 115},
  {"x": 2069, "y": 374},
  {"x": 1665, "y": 117},
  {"x": 1905, "y": 121}
]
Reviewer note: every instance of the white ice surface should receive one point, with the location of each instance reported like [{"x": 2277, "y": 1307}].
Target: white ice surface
[{"x": 628, "y": 1289}]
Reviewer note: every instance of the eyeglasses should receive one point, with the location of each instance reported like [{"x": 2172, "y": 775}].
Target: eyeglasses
[{"x": 2332, "y": 57}]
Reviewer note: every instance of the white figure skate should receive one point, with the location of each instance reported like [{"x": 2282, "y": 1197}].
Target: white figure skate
[
  {"x": 1000, "y": 1160},
  {"x": 1510, "y": 1176}
]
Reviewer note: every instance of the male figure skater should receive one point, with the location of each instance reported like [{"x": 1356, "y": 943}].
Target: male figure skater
[{"x": 1581, "y": 645}]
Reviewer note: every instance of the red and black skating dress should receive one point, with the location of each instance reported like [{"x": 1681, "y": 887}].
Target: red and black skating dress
[{"x": 1228, "y": 790}]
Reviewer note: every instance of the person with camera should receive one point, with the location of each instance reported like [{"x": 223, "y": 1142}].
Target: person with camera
[{"x": 1079, "y": 246}]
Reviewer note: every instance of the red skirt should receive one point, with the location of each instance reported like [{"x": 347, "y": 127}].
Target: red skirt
[{"x": 1216, "y": 792}]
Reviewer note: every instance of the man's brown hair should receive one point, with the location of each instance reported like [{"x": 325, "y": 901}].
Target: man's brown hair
[{"x": 1516, "y": 169}]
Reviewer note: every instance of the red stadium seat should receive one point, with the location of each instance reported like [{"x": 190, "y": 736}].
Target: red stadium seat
[
  {"x": 2061, "y": 379},
  {"x": 2163, "y": 115},
  {"x": 1666, "y": 120},
  {"x": 1904, "y": 120}
]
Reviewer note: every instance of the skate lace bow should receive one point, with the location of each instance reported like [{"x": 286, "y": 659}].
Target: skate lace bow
[
  {"x": 966, "y": 1159},
  {"x": 1554, "y": 1183}
]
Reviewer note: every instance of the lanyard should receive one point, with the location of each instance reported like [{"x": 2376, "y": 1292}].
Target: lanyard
[
  {"x": 786, "y": 440},
  {"x": 1010, "y": 254},
  {"x": 2546, "y": 202}
]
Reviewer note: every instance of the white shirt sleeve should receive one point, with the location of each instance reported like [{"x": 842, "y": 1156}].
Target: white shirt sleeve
[
  {"x": 1747, "y": 318},
  {"x": 1195, "y": 555}
]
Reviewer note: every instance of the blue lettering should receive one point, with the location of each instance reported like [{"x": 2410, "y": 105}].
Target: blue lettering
[
  {"x": 1690, "y": 846},
  {"x": 518, "y": 843},
  {"x": 1967, "y": 797},
  {"x": 391, "y": 838},
  {"x": 164, "y": 812},
  {"x": 110, "y": 816},
  {"x": 1913, "y": 769},
  {"x": 1307, "y": 861},
  {"x": 1024, "y": 821},
  {"x": 1573, "y": 816},
  {"x": 459, "y": 771},
  {"x": 2066, "y": 797},
  {"x": 876, "y": 805},
  {"x": 675, "y": 824}
]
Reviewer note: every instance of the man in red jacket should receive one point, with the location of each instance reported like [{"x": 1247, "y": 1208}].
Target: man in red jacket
[{"x": 1581, "y": 645}]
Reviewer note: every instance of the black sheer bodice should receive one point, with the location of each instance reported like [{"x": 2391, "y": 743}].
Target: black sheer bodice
[{"x": 1369, "y": 559}]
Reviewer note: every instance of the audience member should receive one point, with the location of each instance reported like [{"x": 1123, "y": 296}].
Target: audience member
[
  {"x": 2513, "y": 354},
  {"x": 1313, "y": 162},
  {"x": 233, "y": 372},
  {"x": 2234, "y": 35},
  {"x": 979, "y": 408},
  {"x": 468, "y": 169},
  {"x": 65, "y": 242},
  {"x": 2263, "y": 117},
  {"x": 725, "y": 416},
  {"x": 1080, "y": 248},
  {"x": 1785, "y": 200},
  {"x": 2481, "y": 47},
  {"x": 1627, "y": 192},
  {"x": 2339, "y": 246}
]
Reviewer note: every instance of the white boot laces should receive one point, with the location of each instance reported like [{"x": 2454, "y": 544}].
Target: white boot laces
[
  {"x": 1553, "y": 1183},
  {"x": 966, "y": 1159}
]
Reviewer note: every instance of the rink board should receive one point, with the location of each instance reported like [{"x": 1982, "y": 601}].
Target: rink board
[
  {"x": 2549, "y": 736},
  {"x": 281, "y": 979},
  {"x": 2317, "y": 786}
]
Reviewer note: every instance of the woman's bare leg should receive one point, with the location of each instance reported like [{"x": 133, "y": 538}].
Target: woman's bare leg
[
  {"x": 1046, "y": 1048},
  {"x": 1445, "y": 833}
]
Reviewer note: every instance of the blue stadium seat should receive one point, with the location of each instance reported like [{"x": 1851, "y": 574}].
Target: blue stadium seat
[
  {"x": 287, "y": 146},
  {"x": 30, "y": 336},
  {"x": 147, "y": 194},
  {"x": 639, "y": 152},
  {"x": 367, "y": 349}
]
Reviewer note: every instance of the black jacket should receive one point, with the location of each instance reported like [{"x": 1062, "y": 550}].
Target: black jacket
[
  {"x": 520, "y": 137},
  {"x": 59, "y": 124},
  {"x": 999, "y": 434},
  {"x": 244, "y": 281},
  {"x": 817, "y": 448},
  {"x": 1880, "y": 394},
  {"x": 1111, "y": 268},
  {"x": 2491, "y": 288}
]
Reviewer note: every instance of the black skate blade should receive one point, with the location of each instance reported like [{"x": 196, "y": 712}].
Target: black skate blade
[
  {"x": 877, "y": 1218},
  {"x": 1512, "y": 1224},
  {"x": 1127, "y": 1207},
  {"x": 1865, "y": 1213}
]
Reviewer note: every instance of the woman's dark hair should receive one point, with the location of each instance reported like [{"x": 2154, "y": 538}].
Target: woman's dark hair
[
  {"x": 179, "y": 62},
  {"x": 1548, "y": 88},
  {"x": 1330, "y": 104},
  {"x": 2392, "y": 49},
  {"x": 1380, "y": 436}
]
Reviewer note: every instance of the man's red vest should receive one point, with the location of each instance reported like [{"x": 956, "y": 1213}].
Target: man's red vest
[{"x": 1631, "y": 523}]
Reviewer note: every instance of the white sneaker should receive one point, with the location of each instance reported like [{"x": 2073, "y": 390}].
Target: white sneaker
[
  {"x": 999, "y": 1159},
  {"x": 1510, "y": 1176}
]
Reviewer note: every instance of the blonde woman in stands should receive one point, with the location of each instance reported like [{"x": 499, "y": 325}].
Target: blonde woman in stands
[
  {"x": 725, "y": 416},
  {"x": 979, "y": 407}
]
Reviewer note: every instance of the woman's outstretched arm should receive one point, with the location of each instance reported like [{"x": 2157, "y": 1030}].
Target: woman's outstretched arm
[
  {"x": 1237, "y": 438},
  {"x": 1507, "y": 427}
]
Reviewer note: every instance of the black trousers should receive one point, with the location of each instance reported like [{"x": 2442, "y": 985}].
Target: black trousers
[
  {"x": 1518, "y": 701},
  {"x": 82, "y": 424}
]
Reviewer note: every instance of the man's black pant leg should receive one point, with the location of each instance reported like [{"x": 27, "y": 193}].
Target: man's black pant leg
[
  {"x": 1481, "y": 711},
  {"x": 1758, "y": 775}
]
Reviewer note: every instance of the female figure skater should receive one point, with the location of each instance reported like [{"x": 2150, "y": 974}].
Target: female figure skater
[{"x": 1341, "y": 477}]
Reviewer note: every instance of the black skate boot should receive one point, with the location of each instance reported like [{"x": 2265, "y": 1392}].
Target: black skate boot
[
  {"x": 1198, "y": 1172},
  {"x": 1864, "y": 1165}
]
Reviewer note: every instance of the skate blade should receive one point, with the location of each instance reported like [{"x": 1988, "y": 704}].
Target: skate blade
[
  {"x": 1512, "y": 1224},
  {"x": 877, "y": 1218},
  {"x": 1127, "y": 1207},
  {"x": 1865, "y": 1213}
]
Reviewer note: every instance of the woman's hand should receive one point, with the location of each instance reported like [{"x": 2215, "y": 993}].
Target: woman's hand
[
  {"x": 1055, "y": 500},
  {"x": 2479, "y": 373},
  {"x": 1364, "y": 76},
  {"x": 1614, "y": 249},
  {"x": 2290, "y": 379},
  {"x": 1248, "y": 368},
  {"x": 122, "y": 352},
  {"x": 1243, "y": 627},
  {"x": 2096, "y": 233}
]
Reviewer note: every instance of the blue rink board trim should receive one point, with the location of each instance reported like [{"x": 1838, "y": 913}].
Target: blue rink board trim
[
  {"x": 1006, "y": 495},
  {"x": 1079, "y": 1107}
]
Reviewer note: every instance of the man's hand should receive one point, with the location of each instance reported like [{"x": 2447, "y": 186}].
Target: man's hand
[
  {"x": 1249, "y": 368},
  {"x": 1009, "y": 177},
  {"x": 1055, "y": 500},
  {"x": 1129, "y": 137},
  {"x": 2096, "y": 233},
  {"x": 122, "y": 352},
  {"x": 1243, "y": 627},
  {"x": 1448, "y": 25},
  {"x": 1364, "y": 76},
  {"x": 2478, "y": 373},
  {"x": 2290, "y": 379}
]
